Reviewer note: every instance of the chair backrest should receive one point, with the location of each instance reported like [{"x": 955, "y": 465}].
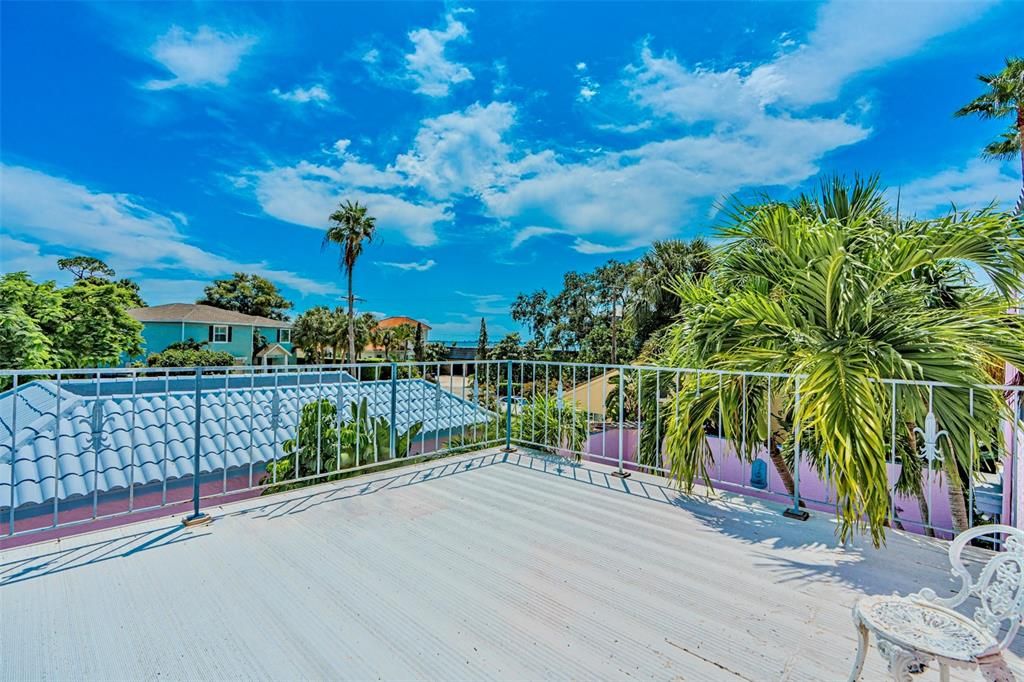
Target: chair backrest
[{"x": 999, "y": 586}]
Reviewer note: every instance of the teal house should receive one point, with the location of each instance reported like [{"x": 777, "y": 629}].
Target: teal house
[{"x": 222, "y": 330}]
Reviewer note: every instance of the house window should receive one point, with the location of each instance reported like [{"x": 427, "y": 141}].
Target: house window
[
  {"x": 284, "y": 335},
  {"x": 221, "y": 333}
]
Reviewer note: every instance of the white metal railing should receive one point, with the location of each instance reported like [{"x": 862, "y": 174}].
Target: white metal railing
[{"x": 78, "y": 446}]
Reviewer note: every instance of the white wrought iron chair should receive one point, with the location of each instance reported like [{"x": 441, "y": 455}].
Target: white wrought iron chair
[{"x": 914, "y": 630}]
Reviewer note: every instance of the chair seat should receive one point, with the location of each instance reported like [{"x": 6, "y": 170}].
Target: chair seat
[{"x": 928, "y": 628}]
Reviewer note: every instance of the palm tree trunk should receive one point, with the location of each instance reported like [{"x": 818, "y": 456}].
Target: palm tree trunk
[
  {"x": 955, "y": 489},
  {"x": 351, "y": 319},
  {"x": 781, "y": 468}
]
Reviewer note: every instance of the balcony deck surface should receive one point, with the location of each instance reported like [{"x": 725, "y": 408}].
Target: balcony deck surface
[{"x": 467, "y": 568}]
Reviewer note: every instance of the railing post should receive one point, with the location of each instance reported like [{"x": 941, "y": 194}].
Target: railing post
[
  {"x": 795, "y": 512},
  {"x": 508, "y": 408},
  {"x": 622, "y": 473},
  {"x": 392, "y": 429},
  {"x": 197, "y": 518}
]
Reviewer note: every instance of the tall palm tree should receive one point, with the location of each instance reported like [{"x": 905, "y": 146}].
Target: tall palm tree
[
  {"x": 835, "y": 290},
  {"x": 1004, "y": 99},
  {"x": 653, "y": 304},
  {"x": 351, "y": 226},
  {"x": 401, "y": 336}
]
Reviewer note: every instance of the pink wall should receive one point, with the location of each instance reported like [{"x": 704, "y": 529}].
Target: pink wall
[{"x": 730, "y": 472}]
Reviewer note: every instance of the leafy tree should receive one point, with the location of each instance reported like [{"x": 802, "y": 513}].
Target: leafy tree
[
  {"x": 653, "y": 304},
  {"x": 134, "y": 292},
  {"x": 248, "y": 294},
  {"x": 31, "y": 317},
  {"x": 323, "y": 445},
  {"x": 314, "y": 331},
  {"x": 190, "y": 357},
  {"x": 833, "y": 288},
  {"x": 481, "y": 341},
  {"x": 508, "y": 348},
  {"x": 82, "y": 325},
  {"x": 351, "y": 226},
  {"x": 435, "y": 352},
  {"x": 1003, "y": 99},
  {"x": 401, "y": 337},
  {"x": 533, "y": 310},
  {"x": 558, "y": 426},
  {"x": 85, "y": 267}
]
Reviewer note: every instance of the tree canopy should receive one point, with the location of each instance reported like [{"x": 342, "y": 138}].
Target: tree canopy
[
  {"x": 85, "y": 324},
  {"x": 248, "y": 294}
]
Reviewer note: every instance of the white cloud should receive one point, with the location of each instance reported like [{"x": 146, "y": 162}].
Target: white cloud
[
  {"x": 973, "y": 186},
  {"x": 460, "y": 151},
  {"x": 487, "y": 304},
  {"x": 531, "y": 231},
  {"x": 428, "y": 66},
  {"x": 118, "y": 228},
  {"x": 588, "y": 92},
  {"x": 204, "y": 58},
  {"x": 305, "y": 194},
  {"x": 837, "y": 49},
  {"x": 315, "y": 93},
  {"x": 581, "y": 66},
  {"x": 416, "y": 266},
  {"x": 371, "y": 56}
]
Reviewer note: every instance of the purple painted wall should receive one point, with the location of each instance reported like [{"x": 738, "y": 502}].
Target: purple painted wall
[{"x": 732, "y": 473}]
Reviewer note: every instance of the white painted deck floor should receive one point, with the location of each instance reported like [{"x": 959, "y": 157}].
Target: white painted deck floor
[{"x": 468, "y": 568}]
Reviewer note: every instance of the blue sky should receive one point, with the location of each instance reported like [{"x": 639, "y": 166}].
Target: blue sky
[{"x": 498, "y": 145}]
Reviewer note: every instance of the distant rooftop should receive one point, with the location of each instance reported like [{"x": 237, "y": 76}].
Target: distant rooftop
[
  {"x": 202, "y": 314},
  {"x": 467, "y": 568},
  {"x": 390, "y": 322}
]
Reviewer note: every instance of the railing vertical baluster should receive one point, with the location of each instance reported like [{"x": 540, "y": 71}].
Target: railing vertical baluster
[
  {"x": 547, "y": 401},
  {"x": 359, "y": 406},
  {"x": 224, "y": 428},
  {"x": 508, "y": 408},
  {"x": 166, "y": 437},
  {"x": 586, "y": 440},
  {"x": 252, "y": 419},
  {"x": 297, "y": 451},
  {"x": 97, "y": 435},
  {"x": 338, "y": 421},
  {"x": 721, "y": 403},
  {"x": 604, "y": 414},
  {"x": 892, "y": 458},
  {"x": 131, "y": 444},
  {"x": 522, "y": 397},
  {"x": 796, "y": 512},
  {"x": 197, "y": 517},
  {"x": 928, "y": 463},
  {"x": 319, "y": 418},
  {"x": 275, "y": 417},
  {"x": 639, "y": 419},
  {"x": 621, "y": 472},
  {"x": 744, "y": 480},
  {"x": 14, "y": 451},
  {"x": 394, "y": 407},
  {"x": 657, "y": 418},
  {"x": 56, "y": 455},
  {"x": 970, "y": 469},
  {"x": 768, "y": 435}
]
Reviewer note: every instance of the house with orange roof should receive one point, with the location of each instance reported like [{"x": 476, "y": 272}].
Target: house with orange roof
[{"x": 373, "y": 351}]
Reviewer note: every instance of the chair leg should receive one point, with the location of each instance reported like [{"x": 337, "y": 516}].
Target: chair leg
[
  {"x": 863, "y": 644},
  {"x": 994, "y": 669},
  {"x": 943, "y": 672}
]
